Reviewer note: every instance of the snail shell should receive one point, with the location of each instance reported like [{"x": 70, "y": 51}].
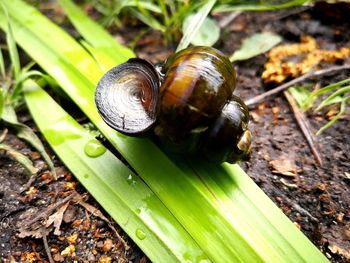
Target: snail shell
[
  {"x": 228, "y": 137},
  {"x": 198, "y": 82},
  {"x": 126, "y": 97},
  {"x": 187, "y": 102}
]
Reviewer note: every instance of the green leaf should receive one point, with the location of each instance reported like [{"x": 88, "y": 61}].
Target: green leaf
[
  {"x": 207, "y": 34},
  {"x": 26, "y": 133},
  {"x": 148, "y": 20},
  {"x": 122, "y": 193},
  {"x": 300, "y": 94},
  {"x": 255, "y": 45},
  {"x": 194, "y": 24},
  {"x": 19, "y": 157},
  {"x": 11, "y": 43},
  {"x": 258, "y": 5},
  {"x": 208, "y": 209},
  {"x": 336, "y": 117},
  {"x": 2, "y": 65},
  {"x": 316, "y": 93},
  {"x": 94, "y": 34},
  {"x": 2, "y": 102},
  {"x": 145, "y": 4},
  {"x": 17, "y": 87},
  {"x": 165, "y": 13},
  {"x": 334, "y": 97}
]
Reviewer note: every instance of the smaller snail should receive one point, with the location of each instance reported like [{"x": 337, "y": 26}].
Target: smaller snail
[{"x": 187, "y": 102}]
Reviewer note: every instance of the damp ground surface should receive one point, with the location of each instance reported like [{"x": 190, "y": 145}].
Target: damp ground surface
[{"x": 315, "y": 197}]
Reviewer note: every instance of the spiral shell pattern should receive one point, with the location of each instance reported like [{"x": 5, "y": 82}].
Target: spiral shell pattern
[{"x": 127, "y": 95}]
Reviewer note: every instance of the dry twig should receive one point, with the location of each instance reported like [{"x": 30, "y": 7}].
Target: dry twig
[
  {"x": 46, "y": 245},
  {"x": 251, "y": 102},
  {"x": 304, "y": 126},
  {"x": 227, "y": 20},
  {"x": 299, "y": 209},
  {"x": 49, "y": 210}
]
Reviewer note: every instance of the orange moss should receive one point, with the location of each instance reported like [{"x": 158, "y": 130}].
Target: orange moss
[{"x": 279, "y": 67}]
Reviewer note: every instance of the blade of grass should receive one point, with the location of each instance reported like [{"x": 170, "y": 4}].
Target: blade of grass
[
  {"x": 11, "y": 43},
  {"x": 177, "y": 188},
  {"x": 21, "y": 78},
  {"x": 182, "y": 11},
  {"x": 148, "y": 20},
  {"x": 26, "y": 133},
  {"x": 139, "y": 212},
  {"x": 237, "y": 191},
  {"x": 257, "y": 7},
  {"x": 146, "y": 5},
  {"x": 164, "y": 10},
  {"x": 95, "y": 34},
  {"x": 2, "y": 102},
  {"x": 336, "y": 117},
  {"x": 133, "y": 150},
  {"x": 313, "y": 96},
  {"x": 300, "y": 94},
  {"x": 70, "y": 50},
  {"x": 104, "y": 61},
  {"x": 145, "y": 16},
  {"x": 19, "y": 157},
  {"x": 2, "y": 65},
  {"x": 331, "y": 97},
  {"x": 195, "y": 24}
]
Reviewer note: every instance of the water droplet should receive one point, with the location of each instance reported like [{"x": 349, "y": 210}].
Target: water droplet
[
  {"x": 86, "y": 176},
  {"x": 131, "y": 180},
  {"x": 138, "y": 211},
  {"x": 94, "y": 148},
  {"x": 140, "y": 234}
]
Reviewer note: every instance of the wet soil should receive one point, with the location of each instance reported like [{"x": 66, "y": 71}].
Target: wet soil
[{"x": 316, "y": 198}]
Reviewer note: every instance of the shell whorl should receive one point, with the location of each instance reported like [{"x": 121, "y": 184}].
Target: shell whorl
[{"x": 127, "y": 97}]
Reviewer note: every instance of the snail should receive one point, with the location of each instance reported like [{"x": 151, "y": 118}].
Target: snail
[{"x": 187, "y": 102}]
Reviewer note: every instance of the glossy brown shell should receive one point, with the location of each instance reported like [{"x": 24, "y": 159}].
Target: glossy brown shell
[
  {"x": 188, "y": 101},
  {"x": 198, "y": 82},
  {"x": 228, "y": 137}
]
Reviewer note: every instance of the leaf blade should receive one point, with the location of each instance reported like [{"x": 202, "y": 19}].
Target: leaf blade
[
  {"x": 95, "y": 34},
  {"x": 208, "y": 33},
  {"x": 108, "y": 179},
  {"x": 255, "y": 45},
  {"x": 216, "y": 229},
  {"x": 195, "y": 24}
]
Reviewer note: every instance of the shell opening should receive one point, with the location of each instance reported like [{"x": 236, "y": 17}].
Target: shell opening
[{"x": 127, "y": 97}]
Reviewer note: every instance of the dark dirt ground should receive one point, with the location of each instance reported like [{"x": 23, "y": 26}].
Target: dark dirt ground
[{"x": 315, "y": 198}]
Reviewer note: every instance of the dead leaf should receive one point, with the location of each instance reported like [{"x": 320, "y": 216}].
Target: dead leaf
[
  {"x": 57, "y": 218},
  {"x": 340, "y": 251},
  {"x": 284, "y": 166},
  {"x": 23, "y": 233},
  {"x": 37, "y": 230},
  {"x": 70, "y": 214}
]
